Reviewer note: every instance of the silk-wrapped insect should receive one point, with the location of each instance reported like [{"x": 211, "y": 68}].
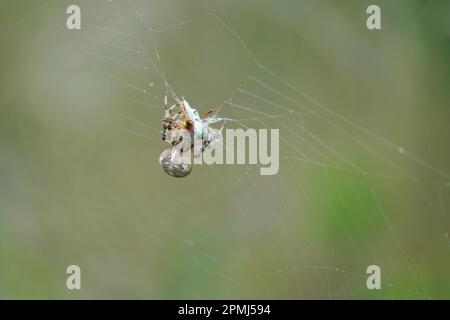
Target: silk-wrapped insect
[{"x": 182, "y": 122}]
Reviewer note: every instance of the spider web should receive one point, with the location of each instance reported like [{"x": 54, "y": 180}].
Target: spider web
[
  {"x": 346, "y": 197},
  {"x": 280, "y": 225}
]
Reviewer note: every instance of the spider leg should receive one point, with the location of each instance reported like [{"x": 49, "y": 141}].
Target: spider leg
[{"x": 211, "y": 113}]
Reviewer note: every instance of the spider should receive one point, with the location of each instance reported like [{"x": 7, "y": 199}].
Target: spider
[{"x": 181, "y": 117}]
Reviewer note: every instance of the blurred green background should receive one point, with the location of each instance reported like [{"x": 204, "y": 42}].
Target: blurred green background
[{"x": 80, "y": 182}]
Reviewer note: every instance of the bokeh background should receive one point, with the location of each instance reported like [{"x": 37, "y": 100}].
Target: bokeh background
[{"x": 364, "y": 165}]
